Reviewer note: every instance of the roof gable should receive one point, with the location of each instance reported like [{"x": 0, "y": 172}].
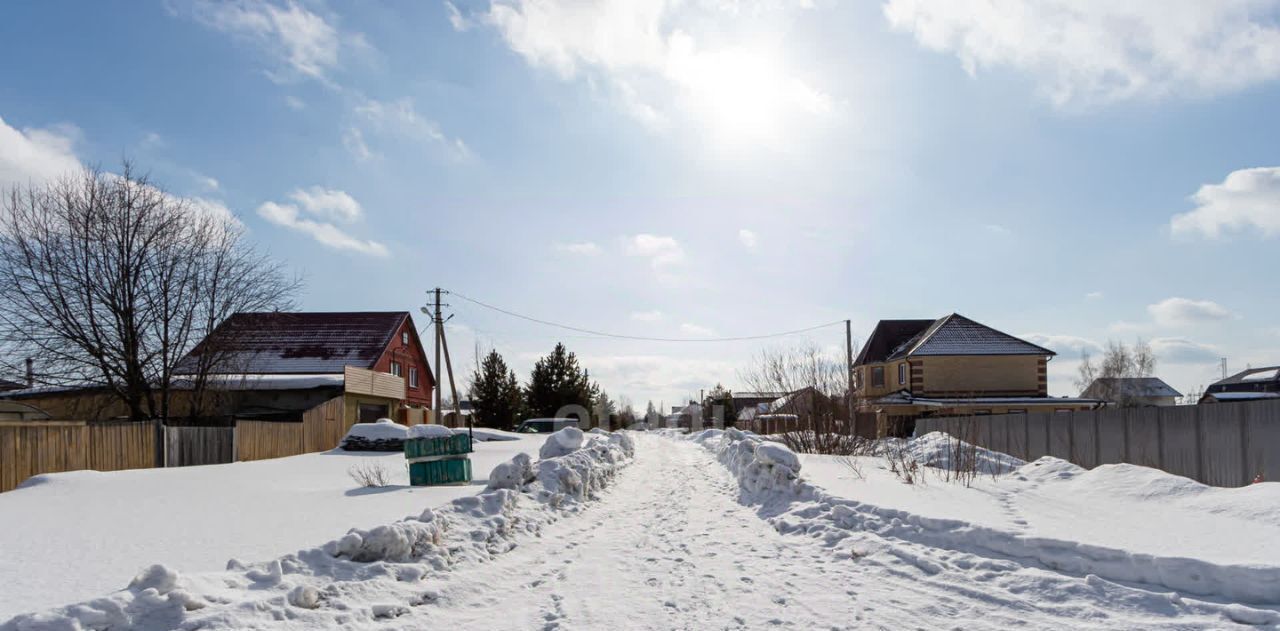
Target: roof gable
[
  {"x": 302, "y": 342},
  {"x": 887, "y": 336},
  {"x": 958, "y": 335}
]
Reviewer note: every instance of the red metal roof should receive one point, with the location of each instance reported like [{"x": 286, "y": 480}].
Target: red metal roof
[{"x": 301, "y": 342}]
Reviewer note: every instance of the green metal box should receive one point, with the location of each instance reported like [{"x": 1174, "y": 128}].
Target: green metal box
[
  {"x": 452, "y": 470},
  {"x": 456, "y": 445}
]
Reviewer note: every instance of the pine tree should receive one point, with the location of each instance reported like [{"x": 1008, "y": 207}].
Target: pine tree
[
  {"x": 495, "y": 394},
  {"x": 557, "y": 382},
  {"x": 605, "y": 409}
]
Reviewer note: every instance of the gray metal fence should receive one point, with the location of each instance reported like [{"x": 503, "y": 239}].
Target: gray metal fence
[
  {"x": 1224, "y": 444},
  {"x": 187, "y": 446}
]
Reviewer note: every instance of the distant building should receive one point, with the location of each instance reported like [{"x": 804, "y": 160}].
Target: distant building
[
  {"x": 1132, "y": 391},
  {"x": 1250, "y": 385},
  {"x": 952, "y": 366}
]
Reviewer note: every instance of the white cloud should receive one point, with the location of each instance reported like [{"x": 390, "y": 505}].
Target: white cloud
[
  {"x": 296, "y": 104},
  {"x": 998, "y": 229},
  {"x": 1125, "y": 326},
  {"x": 1178, "y": 350},
  {"x": 660, "y": 250},
  {"x": 456, "y": 19},
  {"x": 208, "y": 183},
  {"x": 747, "y": 238},
  {"x": 32, "y": 156},
  {"x": 326, "y": 204},
  {"x": 585, "y": 248},
  {"x": 1066, "y": 345},
  {"x": 655, "y": 377},
  {"x": 1248, "y": 199},
  {"x": 1179, "y": 311},
  {"x": 353, "y": 140},
  {"x": 694, "y": 330},
  {"x": 153, "y": 140},
  {"x": 302, "y": 42},
  {"x": 36, "y": 156},
  {"x": 647, "y": 316},
  {"x": 401, "y": 119},
  {"x": 1089, "y": 53},
  {"x": 1094, "y": 295},
  {"x": 655, "y": 58}
]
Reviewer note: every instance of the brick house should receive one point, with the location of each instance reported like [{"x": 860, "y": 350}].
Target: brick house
[{"x": 952, "y": 366}]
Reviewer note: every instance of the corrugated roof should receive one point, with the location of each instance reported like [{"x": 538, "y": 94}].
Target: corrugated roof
[
  {"x": 1109, "y": 387},
  {"x": 958, "y": 335},
  {"x": 888, "y": 335},
  {"x": 301, "y": 343},
  {"x": 1253, "y": 375}
]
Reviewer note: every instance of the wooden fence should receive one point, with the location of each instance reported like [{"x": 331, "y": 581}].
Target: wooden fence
[
  {"x": 1224, "y": 444},
  {"x": 188, "y": 446},
  {"x": 321, "y": 429},
  {"x": 30, "y": 448}
]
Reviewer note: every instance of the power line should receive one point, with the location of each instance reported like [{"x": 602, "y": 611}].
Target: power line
[{"x": 642, "y": 338}]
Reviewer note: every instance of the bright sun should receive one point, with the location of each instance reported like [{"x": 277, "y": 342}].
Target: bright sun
[{"x": 742, "y": 95}]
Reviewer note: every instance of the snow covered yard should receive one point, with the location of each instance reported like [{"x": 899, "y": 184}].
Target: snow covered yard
[
  {"x": 70, "y": 536},
  {"x": 762, "y": 538}
]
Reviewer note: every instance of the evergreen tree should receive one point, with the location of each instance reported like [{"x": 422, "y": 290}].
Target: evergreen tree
[
  {"x": 495, "y": 394},
  {"x": 558, "y": 381},
  {"x": 606, "y": 410}
]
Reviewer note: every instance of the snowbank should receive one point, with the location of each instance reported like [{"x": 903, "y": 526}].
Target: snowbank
[
  {"x": 429, "y": 431},
  {"x": 562, "y": 442},
  {"x": 766, "y": 478},
  {"x": 483, "y": 434},
  {"x": 332, "y": 585},
  {"x": 385, "y": 435},
  {"x": 941, "y": 451}
]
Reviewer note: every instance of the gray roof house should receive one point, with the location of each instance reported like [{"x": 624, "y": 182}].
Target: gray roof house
[
  {"x": 1248, "y": 385},
  {"x": 1132, "y": 391}
]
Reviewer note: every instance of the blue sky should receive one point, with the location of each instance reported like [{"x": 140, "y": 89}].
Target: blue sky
[{"x": 1072, "y": 172}]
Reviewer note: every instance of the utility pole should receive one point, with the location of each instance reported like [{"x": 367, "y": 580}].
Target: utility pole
[
  {"x": 1224, "y": 367},
  {"x": 848, "y": 374},
  {"x": 438, "y": 321}
]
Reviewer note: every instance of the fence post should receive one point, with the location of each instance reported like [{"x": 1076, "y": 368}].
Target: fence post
[
  {"x": 1128, "y": 435},
  {"x": 1200, "y": 475},
  {"x": 1244, "y": 448}
]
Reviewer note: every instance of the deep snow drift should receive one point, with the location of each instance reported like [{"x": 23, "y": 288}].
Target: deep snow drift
[
  {"x": 366, "y": 574},
  {"x": 69, "y": 536},
  {"x": 883, "y": 505}
]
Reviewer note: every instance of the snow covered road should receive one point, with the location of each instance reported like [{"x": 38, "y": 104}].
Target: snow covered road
[
  {"x": 671, "y": 540},
  {"x": 670, "y": 546}
]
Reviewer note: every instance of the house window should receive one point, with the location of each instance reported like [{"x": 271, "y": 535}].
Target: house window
[
  {"x": 982, "y": 412},
  {"x": 902, "y": 374},
  {"x": 413, "y": 377},
  {"x": 404, "y": 338},
  {"x": 877, "y": 376},
  {"x": 395, "y": 368},
  {"x": 1017, "y": 410},
  {"x": 371, "y": 412}
]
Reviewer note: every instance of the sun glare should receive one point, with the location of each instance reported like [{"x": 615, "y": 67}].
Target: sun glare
[{"x": 743, "y": 95}]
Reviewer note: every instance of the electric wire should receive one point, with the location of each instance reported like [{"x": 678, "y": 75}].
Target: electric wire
[{"x": 642, "y": 338}]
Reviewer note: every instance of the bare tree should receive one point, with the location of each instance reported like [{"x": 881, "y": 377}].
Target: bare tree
[
  {"x": 815, "y": 416},
  {"x": 110, "y": 281},
  {"x": 1119, "y": 362}
]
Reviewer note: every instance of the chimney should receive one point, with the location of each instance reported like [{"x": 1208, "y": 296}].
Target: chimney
[{"x": 31, "y": 372}]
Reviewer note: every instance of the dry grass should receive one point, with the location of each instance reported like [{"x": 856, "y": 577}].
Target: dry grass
[{"x": 370, "y": 473}]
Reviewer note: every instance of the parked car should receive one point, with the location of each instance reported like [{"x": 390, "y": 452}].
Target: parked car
[{"x": 546, "y": 425}]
